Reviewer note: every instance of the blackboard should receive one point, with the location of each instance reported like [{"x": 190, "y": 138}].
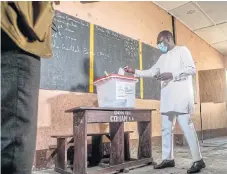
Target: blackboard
[
  {"x": 112, "y": 51},
  {"x": 68, "y": 69},
  {"x": 152, "y": 87}
]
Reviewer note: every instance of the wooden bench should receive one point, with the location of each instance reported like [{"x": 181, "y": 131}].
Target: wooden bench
[{"x": 97, "y": 148}]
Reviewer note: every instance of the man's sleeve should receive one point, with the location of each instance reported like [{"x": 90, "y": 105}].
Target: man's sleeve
[
  {"x": 188, "y": 65},
  {"x": 154, "y": 70}
]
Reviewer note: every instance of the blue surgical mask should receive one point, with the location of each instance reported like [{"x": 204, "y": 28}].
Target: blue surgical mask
[{"x": 162, "y": 47}]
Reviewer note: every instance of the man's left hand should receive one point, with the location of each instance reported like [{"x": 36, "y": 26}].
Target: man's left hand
[{"x": 165, "y": 76}]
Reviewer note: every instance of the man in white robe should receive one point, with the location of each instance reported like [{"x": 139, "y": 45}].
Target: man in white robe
[{"x": 174, "y": 69}]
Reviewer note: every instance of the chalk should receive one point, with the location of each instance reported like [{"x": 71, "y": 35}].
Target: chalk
[
  {"x": 106, "y": 73},
  {"x": 121, "y": 71},
  {"x": 125, "y": 67}
]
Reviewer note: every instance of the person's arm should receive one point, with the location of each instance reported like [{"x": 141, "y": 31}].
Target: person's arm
[
  {"x": 188, "y": 69},
  {"x": 153, "y": 71}
]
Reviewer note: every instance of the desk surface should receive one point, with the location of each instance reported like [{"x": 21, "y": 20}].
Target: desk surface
[{"x": 77, "y": 109}]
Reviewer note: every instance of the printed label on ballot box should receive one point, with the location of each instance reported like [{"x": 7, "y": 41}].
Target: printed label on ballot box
[{"x": 123, "y": 89}]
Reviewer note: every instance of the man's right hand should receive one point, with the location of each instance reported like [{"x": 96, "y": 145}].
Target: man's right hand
[{"x": 129, "y": 70}]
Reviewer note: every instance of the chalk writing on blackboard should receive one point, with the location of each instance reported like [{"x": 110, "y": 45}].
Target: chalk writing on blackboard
[
  {"x": 107, "y": 33},
  {"x": 68, "y": 68},
  {"x": 131, "y": 48}
]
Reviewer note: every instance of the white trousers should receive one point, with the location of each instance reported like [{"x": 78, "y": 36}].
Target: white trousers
[{"x": 186, "y": 125}]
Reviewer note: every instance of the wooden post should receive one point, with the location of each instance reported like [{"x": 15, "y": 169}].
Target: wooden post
[
  {"x": 126, "y": 145},
  {"x": 61, "y": 160},
  {"x": 97, "y": 150},
  {"x": 80, "y": 143},
  {"x": 117, "y": 143},
  {"x": 144, "y": 130}
]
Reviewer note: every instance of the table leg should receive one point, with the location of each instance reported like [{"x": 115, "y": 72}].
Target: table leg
[
  {"x": 117, "y": 143},
  {"x": 144, "y": 129},
  {"x": 126, "y": 145},
  {"x": 80, "y": 143},
  {"x": 61, "y": 159},
  {"x": 96, "y": 150}
]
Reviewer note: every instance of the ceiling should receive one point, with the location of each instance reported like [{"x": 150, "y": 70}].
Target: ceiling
[{"x": 208, "y": 19}]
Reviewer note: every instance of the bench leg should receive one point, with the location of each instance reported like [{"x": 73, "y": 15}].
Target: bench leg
[
  {"x": 126, "y": 144},
  {"x": 97, "y": 150},
  {"x": 61, "y": 160}
]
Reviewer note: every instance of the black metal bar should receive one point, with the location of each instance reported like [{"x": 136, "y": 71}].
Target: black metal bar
[
  {"x": 173, "y": 28},
  {"x": 86, "y": 2},
  {"x": 201, "y": 121}
]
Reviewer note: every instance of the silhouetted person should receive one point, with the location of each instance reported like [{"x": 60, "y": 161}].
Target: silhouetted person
[{"x": 25, "y": 37}]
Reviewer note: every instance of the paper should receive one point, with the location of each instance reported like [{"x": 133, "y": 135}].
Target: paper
[
  {"x": 120, "y": 90},
  {"x": 106, "y": 73},
  {"x": 123, "y": 89},
  {"x": 121, "y": 71}
]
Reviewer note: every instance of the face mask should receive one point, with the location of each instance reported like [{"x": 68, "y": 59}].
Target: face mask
[{"x": 162, "y": 47}]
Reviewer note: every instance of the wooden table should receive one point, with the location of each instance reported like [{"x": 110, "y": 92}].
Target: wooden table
[{"x": 116, "y": 118}]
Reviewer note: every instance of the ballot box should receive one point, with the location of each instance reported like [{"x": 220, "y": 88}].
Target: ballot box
[{"x": 116, "y": 90}]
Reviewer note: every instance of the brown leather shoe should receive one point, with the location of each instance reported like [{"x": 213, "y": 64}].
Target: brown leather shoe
[
  {"x": 165, "y": 164},
  {"x": 197, "y": 166}
]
